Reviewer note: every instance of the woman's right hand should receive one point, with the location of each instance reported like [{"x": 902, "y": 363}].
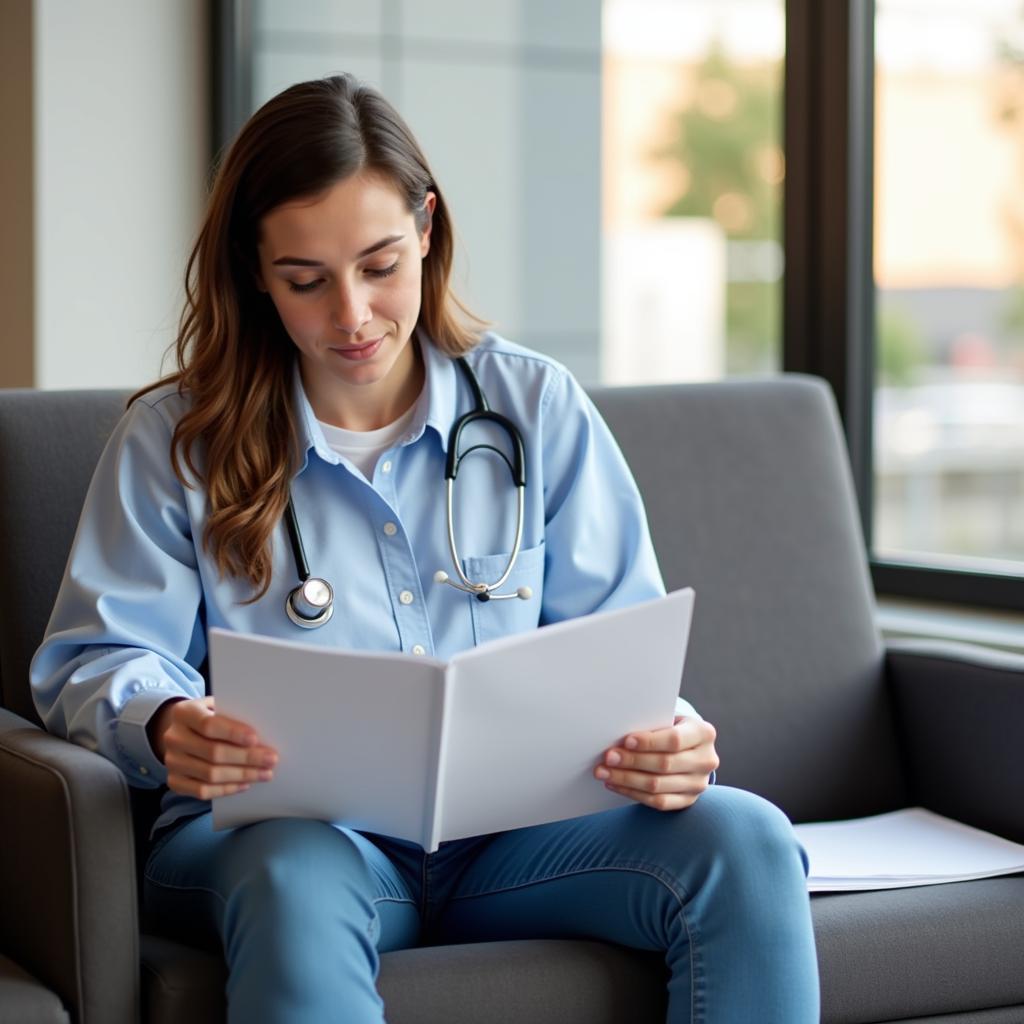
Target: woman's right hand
[{"x": 207, "y": 755}]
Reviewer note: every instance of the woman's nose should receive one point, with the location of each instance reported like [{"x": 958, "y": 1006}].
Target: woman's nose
[{"x": 352, "y": 309}]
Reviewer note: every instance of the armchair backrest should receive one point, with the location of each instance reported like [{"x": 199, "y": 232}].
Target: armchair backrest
[
  {"x": 751, "y": 502},
  {"x": 50, "y": 442}
]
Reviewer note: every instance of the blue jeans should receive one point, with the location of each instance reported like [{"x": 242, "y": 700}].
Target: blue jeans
[{"x": 303, "y": 909}]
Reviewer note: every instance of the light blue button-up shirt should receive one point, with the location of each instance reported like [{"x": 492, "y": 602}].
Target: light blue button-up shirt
[{"x": 128, "y": 630}]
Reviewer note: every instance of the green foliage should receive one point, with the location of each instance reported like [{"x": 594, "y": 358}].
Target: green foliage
[
  {"x": 728, "y": 146},
  {"x": 722, "y": 142},
  {"x": 901, "y": 346}
]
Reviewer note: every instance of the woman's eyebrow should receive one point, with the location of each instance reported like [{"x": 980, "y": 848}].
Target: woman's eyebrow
[{"x": 295, "y": 261}]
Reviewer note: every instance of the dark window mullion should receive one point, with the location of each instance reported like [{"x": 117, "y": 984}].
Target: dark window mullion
[{"x": 828, "y": 314}]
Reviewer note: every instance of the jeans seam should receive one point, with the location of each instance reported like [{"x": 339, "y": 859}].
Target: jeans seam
[
  {"x": 697, "y": 1003},
  {"x": 186, "y": 888},
  {"x": 392, "y": 899}
]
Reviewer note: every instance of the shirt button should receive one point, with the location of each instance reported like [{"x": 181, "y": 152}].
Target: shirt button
[
  {"x": 143, "y": 770},
  {"x": 386, "y": 467},
  {"x": 406, "y": 597},
  {"x": 419, "y": 649},
  {"x": 390, "y": 529}
]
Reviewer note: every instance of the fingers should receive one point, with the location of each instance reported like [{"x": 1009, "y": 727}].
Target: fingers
[
  {"x": 218, "y": 751},
  {"x": 658, "y": 801},
  {"x": 666, "y": 769},
  {"x": 200, "y": 716},
  {"x": 195, "y": 777},
  {"x": 688, "y": 733},
  {"x": 700, "y": 760},
  {"x": 210, "y": 755},
  {"x": 688, "y": 747}
]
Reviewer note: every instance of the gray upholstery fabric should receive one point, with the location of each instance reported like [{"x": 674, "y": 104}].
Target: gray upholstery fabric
[
  {"x": 67, "y": 871},
  {"x": 750, "y": 502},
  {"x": 955, "y": 698},
  {"x": 24, "y": 1001},
  {"x": 543, "y": 982},
  {"x": 998, "y": 1015},
  {"x": 50, "y": 442},
  {"x": 903, "y": 953}
]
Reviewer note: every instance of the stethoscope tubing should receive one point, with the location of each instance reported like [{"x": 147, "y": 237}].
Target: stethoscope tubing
[{"x": 311, "y": 603}]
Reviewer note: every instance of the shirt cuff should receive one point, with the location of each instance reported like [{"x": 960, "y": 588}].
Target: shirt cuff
[{"x": 138, "y": 760}]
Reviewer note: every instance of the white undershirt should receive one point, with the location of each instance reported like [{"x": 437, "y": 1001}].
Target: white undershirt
[{"x": 363, "y": 447}]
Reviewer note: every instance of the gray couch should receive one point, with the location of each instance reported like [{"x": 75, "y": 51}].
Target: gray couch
[{"x": 750, "y": 502}]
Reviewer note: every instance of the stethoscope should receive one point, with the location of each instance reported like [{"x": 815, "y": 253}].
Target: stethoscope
[{"x": 311, "y": 603}]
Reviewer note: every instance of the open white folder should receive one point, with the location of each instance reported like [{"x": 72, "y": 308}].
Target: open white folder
[
  {"x": 504, "y": 735},
  {"x": 909, "y": 847}
]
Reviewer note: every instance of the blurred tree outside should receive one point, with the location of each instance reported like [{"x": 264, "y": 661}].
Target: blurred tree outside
[
  {"x": 901, "y": 346},
  {"x": 727, "y": 146},
  {"x": 1009, "y": 115}
]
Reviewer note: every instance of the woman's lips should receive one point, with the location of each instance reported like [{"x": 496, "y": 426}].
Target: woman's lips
[{"x": 356, "y": 352}]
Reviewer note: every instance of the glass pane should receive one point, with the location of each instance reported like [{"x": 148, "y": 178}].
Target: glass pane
[
  {"x": 692, "y": 193},
  {"x": 949, "y": 265}
]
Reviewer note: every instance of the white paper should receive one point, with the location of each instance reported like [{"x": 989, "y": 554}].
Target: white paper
[
  {"x": 530, "y": 720},
  {"x": 333, "y": 764},
  {"x": 902, "y": 848},
  {"x": 505, "y": 735}
]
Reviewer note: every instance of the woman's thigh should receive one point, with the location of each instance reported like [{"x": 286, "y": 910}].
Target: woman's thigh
[
  {"x": 615, "y": 875},
  {"x": 300, "y": 868}
]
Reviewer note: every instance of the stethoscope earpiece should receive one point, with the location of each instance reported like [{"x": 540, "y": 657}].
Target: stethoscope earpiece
[{"x": 311, "y": 603}]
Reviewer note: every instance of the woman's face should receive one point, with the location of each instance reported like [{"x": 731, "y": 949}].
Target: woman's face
[{"x": 344, "y": 271}]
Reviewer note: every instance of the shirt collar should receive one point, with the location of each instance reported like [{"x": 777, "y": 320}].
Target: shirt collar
[
  {"x": 437, "y": 406},
  {"x": 441, "y": 392}
]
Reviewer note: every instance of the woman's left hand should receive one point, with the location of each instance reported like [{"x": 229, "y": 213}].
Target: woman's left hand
[{"x": 667, "y": 769}]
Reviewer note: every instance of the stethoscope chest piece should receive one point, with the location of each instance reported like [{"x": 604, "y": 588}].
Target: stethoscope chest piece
[{"x": 311, "y": 604}]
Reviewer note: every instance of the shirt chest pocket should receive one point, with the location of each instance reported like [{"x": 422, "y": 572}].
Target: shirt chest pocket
[{"x": 493, "y": 619}]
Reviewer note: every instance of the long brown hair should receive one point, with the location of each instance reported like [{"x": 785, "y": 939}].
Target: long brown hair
[{"x": 234, "y": 357}]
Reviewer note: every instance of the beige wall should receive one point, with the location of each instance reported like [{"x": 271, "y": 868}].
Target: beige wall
[
  {"x": 104, "y": 113},
  {"x": 16, "y": 187},
  {"x": 121, "y": 118}
]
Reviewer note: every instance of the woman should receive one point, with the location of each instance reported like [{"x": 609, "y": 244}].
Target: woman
[{"x": 317, "y": 377}]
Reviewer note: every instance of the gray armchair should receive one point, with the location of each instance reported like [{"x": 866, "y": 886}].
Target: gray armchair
[{"x": 750, "y": 502}]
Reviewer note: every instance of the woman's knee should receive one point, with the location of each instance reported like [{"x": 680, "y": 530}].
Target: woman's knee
[
  {"x": 295, "y": 867},
  {"x": 735, "y": 830},
  {"x": 749, "y": 831}
]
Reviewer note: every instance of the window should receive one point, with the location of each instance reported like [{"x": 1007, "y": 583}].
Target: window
[
  {"x": 949, "y": 266},
  {"x": 693, "y": 169}
]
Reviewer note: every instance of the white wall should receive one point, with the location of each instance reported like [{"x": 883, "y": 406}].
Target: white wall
[{"x": 121, "y": 155}]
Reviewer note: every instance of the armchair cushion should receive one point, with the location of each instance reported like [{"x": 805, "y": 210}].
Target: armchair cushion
[
  {"x": 543, "y": 981},
  {"x": 905, "y": 953}
]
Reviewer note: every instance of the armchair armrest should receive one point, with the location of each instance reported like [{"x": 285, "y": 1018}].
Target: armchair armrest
[
  {"x": 68, "y": 909},
  {"x": 960, "y": 714}
]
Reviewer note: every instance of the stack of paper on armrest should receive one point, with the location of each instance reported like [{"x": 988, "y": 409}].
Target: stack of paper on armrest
[
  {"x": 504, "y": 735},
  {"x": 900, "y": 849}
]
